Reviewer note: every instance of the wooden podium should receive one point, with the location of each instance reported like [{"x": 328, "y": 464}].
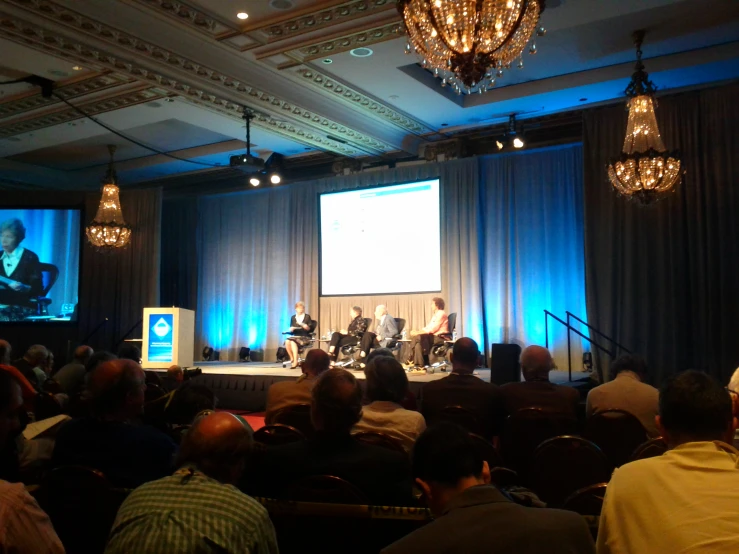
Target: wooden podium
[{"x": 169, "y": 338}]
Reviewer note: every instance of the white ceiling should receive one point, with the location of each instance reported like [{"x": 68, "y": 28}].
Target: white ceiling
[{"x": 174, "y": 76}]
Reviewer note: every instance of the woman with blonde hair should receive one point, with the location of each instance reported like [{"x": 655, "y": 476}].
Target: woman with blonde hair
[{"x": 300, "y": 330}]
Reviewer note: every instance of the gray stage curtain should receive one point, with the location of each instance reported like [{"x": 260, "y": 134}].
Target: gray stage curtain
[
  {"x": 119, "y": 285},
  {"x": 179, "y": 274},
  {"x": 533, "y": 247},
  {"x": 663, "y": 279}
]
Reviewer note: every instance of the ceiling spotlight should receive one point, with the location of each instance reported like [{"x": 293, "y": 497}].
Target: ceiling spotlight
[
  {"x": 242, "y": 15},
  {"x": 275, "y": 179},
  {"x": 77, "y": 67},
  {"x": 254, "y": 181},
  {"x": 518, "y": 143},
  {"x": 499, "y": 145}
]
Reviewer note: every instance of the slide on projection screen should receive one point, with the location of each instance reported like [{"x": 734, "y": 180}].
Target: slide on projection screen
[{"x": 381, "y": 240}]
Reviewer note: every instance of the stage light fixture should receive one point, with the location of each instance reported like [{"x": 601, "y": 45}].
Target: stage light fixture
[
  {"x": 244, "y": 354},
  {"x": 518, "y": 143},
  {"x": 499, "y": 145},
  {"x": 208, "y": 353},
  {"x": 275, "y": 179},
  {"x": 242, "y": 15},
  {"x": 254, "y": 181}
]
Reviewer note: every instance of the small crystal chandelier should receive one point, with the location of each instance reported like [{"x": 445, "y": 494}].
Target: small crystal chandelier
[
  {"x": 108, "y": 231},
  {"x": 645, "y": 172},
  {"x": 469, "y": 43}
]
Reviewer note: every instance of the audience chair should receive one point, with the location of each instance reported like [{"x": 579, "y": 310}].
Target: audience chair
[
  {"x": 155, "y": 402},
  {"x": 82, "y": 506},
  {"x": 49, "y": 275},
  {"x": 588, "y": 501},
  {"x": 502, "y": 477},
  {"x": 489, "y": 453},
  {"x": 50, "y": 385},
  {"x": 441, "y": 349},
  {"x": 297, "y": 416},
  {"x": 563, "y": 465},
  {"x": 325, "y": 488},
  {"x": 273, "y": 435},
  {"x": 462, "y": 417},
  {"x": 379, "y": 439},
  {"x": 46, "y": 405},
  {"x": 650, "y": 449},
  {"x": 525, "y": 429},
  {"x": 153, "y": 378},
  {"x": 352, "y": 351},
  {"x": 617, "y": 432},
  {"x": 78, "y": 405}
]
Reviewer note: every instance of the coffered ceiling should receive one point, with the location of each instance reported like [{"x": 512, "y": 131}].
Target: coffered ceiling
[{"x": 175, "y": 76}]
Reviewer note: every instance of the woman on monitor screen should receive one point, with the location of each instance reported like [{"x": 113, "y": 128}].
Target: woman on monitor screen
[
  {"x": 300, "y": 329},
  {"x": 20, "y": 273}
]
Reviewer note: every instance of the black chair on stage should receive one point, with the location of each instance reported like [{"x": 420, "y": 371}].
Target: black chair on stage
[
  {"x": 394, "y": 343},
  {"x": 350, "y": 352},
  {"x": 617, "y": 432},
  {"x": 297, "y": 416},
  {"x": 441, "y": 349},
  {"x": 276, "y": 434},
  {"x": 304, "y": 342},
  {"x": 49, "y": 275}
]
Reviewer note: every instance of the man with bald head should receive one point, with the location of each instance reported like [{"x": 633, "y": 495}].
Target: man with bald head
[
  {"x": 463, "y": 388},
  {"x": 198, "y": 509},
  {"x": 109, "y": 439},
  {"x": 536, "y": 391},
  {"x": 288, "y": 393},
  {"x": 71, "y": 377}
]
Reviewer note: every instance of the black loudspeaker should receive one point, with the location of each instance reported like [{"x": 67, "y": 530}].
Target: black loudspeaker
[{"x": 504, "y": 363}]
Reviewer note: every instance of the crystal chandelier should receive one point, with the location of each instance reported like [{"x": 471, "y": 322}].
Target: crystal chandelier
[
  {"x": 468, "y": 43},
  {"x": 108, "y": 231},
  {"x": 645, "y": 172}
]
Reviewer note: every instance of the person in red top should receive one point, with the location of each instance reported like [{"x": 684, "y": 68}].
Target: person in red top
[
  {"x": 435, "y": 332},
  {"x": 29, "y": 393}
]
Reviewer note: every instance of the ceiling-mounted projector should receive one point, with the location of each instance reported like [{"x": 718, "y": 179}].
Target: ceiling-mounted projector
[{"x": 247, "y": 163}]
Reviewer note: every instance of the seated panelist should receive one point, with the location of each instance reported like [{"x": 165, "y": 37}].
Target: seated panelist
[
  {"x": 436, "y": 332},
  {"x": 385, "y": 330},
  {"x": 299, "y": 331},
  {"x": 350, "y": 336},
  {"x": 20, "y": 273}
]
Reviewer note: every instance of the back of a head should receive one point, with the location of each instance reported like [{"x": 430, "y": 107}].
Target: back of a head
[
  {"x": 629, "y": 362},
  {"x": 386, "y": 380},
  {"x": 444, "y": 454},
  {"x": 189, "y": 400},
  {"x": 5, "y": 351},
  {"x": 37, "y": 354},
  {"x": 536, "y": 363},
  {"x": 111, "y": 383},
  {"x": 129, "y": 351},
  {"x": 693, "y": 406},
  {"x": 175, "y": 372},
  {"x": 98, "y": 358},
  {"x": 378, "y": 352},
  {"x": 217, "y": 445},
  {"x": 316, "y": 361},
  {"x": 336, "y": 402},
  {"x": 465, "y": 354},
  {"x": 82, "y": 354}
]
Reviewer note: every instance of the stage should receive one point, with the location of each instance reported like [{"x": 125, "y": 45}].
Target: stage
[{"x": 243, "y": 386}]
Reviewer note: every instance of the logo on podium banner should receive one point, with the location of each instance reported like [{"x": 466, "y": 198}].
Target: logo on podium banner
[{"x": 161, "y": 342}]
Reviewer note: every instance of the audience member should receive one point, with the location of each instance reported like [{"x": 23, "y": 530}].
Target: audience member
[
  {"x": 29, "y": 393},
  {"x": 95, "y": 360},
  {"x": 386, "y": 387},
  {"x": 289, "y": 393},
  {"x": 42, "y": 371},
  {"x": 71, "y": 377},
  {"x": 5, "y": 351},
  {"x": 129, "y": 351},
  {"x": 174, "y": 378},
  {"x": 198, "y": 509},
  {"x": 409, "y": 401},
  {"x": 188, "y": 401},
  {"x": 108, "y": 439},
  {"x": 463, "y": 388},
  {"x": 383, "y": 475},
  {"x": 627, "y": 391},
  {"x": 684, "y": 500},
  {"x": 472, "y": 516},
  {"x": 24, "y": 527},
  {"x": 35, "y": 356},
  {"x": 536, "y": 391}
]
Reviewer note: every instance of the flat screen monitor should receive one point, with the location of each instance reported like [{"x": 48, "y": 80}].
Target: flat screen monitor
[
  {"x": 381, "y": 240},
  {"x": 39, "y": 265}
]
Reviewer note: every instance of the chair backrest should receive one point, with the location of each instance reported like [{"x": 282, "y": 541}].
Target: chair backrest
[
  {"x": 46, "y": 405},
  {"x": 525, "y": 429},
  {"x": 563, "y": 465},
  {"x": 489, "y": 453},
  {"x": 400, "y": 324},
  {"x": 152, "y": 378},
  {"x": 617, "y": 432},
  {"x": 49, "y": 275},
  {"x": 587, "y": 501},
  {"x": 312, "y": 325},
  {"x": 153, "y": 392},
  {"x": 272, "y": 435},
  {"x": 649, "y": 449},
  {"x": 503, "y": 477},
  {"x": 50, "y": 385},
  {"x": 297, "y": 416},
  {"x": 325, "y": 488},
  {"x": 462, "y": 417},
  {"x": 452, "y": 322},
  {"x": 367, "y": 323},
  {"x": 379, "y": 439}
]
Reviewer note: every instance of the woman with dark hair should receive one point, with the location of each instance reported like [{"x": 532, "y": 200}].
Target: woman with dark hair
[
  {"x": 435, "y": 332},
  {"x": 20, "y": 273},
  {"x": 300, "y": 329},
  {"x": 386, "y": 388},
  {"x": 349, "y": 336}
]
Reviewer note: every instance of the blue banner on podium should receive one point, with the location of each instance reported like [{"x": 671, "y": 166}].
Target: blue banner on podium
[{"x": 161, "y": 341}]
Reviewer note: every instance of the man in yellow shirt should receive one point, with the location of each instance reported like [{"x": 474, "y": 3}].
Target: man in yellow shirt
[{"x": 685, "y": 500}]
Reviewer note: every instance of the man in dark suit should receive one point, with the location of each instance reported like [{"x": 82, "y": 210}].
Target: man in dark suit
[
  {"x": 20, "y": 273},
  {"x": 386, "y": 329},
  {"x": 336, "y": 405},
  {"x": 536, "y": 391},
  {"x": 472, "y": 516},
  {"x": 463, "y": 388}
]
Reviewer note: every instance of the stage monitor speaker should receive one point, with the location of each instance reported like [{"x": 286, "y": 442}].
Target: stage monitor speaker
[{"x": 504, "y": 363}]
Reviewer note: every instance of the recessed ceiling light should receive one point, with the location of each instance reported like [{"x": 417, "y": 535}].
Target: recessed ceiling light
[
  {"x": 327, "y": 61},
  {"x": 361, "y": 52},
  {"x": 242, "y": 15},
  {"x": 281, "y": 4},
  {"x": 77, "y": 67}
]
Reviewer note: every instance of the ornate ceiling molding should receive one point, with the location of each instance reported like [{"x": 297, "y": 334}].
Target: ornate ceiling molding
[
  {"x": 68, "y": 48},
  {"x": 91, "y": 108},
  {"x": 354, "y": 98},
  {"x": 190, "y": 16},
  {"x": 31, "y": 100},
  {"x": 382, "y": 33}
]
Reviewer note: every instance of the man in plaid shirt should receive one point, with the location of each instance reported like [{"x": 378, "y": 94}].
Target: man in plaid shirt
[{"x": 198, "y": 509}]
